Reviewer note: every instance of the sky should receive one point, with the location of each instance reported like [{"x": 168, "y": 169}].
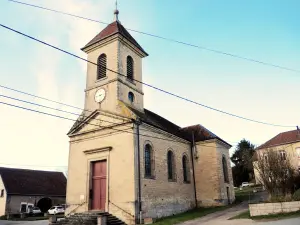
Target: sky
[{"x": 262, "y": 30}]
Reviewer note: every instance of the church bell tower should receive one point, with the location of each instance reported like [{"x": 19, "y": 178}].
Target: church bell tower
[{"x": 112, "y": 83}]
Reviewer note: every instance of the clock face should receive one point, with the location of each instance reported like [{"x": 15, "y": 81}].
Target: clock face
[{"x": 100, "y": 95}]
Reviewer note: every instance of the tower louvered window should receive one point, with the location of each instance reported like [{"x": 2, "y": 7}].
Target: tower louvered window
[
  {"x": 130, "y": 68},
  {"x": 101, "y": 73}
]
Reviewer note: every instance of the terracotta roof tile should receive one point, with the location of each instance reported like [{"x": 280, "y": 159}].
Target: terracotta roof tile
[
  {"x": 282, "y": 138},
  {"x": 200, "y": 132},
  {"x": 111, "y": 29},
  {"x": 33, "y": 182}
]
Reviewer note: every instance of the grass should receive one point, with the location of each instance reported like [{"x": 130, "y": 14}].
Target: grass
[
  {"x": 244, "y": 194},
  {"x": 243, "y": 215},
  {"x": 246, "y": 215},
  {"x": 193, "y": 214}
]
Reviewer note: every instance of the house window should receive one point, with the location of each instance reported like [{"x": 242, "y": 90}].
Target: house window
[
  {"x": 225, "y": 169},
  {"x": 149, "y": 161},
  {"x": 298, "y": 152},
  {"x": 101, "y": 73},
  {"x": 2, "y": 193},
  {"x": 265, "y": 157},
  {"x": 186, "y": 169},
  {"x": 130, "y": 68},
  {"x": 282, "y": 155},
  {"x": 171, "y": 166}
]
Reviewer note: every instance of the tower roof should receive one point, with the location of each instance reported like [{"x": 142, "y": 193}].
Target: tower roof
[{"x": 114, "y": 28}]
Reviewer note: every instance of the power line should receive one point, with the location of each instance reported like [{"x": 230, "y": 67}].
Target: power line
[
  {"x": 60, "y": 110},
  {"x": 68, "y": 112},
  {"x": 104, "y": 127},
  {"x": 148, "y": 85},
  {"x": 166, "y": 39}
]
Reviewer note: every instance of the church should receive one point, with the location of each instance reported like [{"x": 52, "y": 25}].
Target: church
[{"x": 127, "y": 160}]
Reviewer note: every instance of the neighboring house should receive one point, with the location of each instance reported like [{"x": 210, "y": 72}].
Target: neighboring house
[
  {"x": 126, "y": 159},
  {"x": 22, "y": 188},
  {"x": 287, "y": 144}
]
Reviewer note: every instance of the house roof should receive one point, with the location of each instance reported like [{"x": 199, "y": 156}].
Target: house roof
[
  {"x": 33, "y": 182},
  {"x": 155, "y": 120},
  {"x": 199, "y": 131},
  {"x": 114, "y": 28},
  {"x": 282, "y": 138}
]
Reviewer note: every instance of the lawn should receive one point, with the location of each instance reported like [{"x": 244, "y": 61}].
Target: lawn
[
  {"x": 244, "y": 195},
  {"x": 246, "y": 215},
  {"x": 193, "y": 214}
]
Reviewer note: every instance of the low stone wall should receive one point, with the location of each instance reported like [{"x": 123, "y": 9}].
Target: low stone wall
[{"x": 273, "y": 208}]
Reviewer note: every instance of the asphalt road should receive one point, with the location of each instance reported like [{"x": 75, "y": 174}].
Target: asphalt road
[{"x": 40, "y": 222}]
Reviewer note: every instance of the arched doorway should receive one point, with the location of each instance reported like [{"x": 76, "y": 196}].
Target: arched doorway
[{"x": 44, "y": 204}]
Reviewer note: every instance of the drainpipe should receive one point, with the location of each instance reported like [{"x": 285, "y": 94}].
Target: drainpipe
[
  {"x": 139, "y": 173},
  {"x": 192, "y": 154}
]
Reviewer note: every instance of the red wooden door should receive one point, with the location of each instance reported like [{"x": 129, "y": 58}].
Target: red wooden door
[{"x": 98, "y": 185}]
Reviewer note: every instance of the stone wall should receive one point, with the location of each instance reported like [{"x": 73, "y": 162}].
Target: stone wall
[
  {"x": 161, "y": 197},
  {"x": 225, "y": 198},
  {"x": 210, "y": 186},
  {"x": 273, "y": 208}
]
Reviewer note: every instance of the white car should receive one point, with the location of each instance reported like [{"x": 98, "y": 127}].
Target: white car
[
  {"x": 56, "y": 210},
  {"x": 245, "y": 184},
  {"x": 36, "y": 210}
]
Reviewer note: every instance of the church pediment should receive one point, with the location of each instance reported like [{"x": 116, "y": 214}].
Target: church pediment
[{"x": 96, "y": 120}]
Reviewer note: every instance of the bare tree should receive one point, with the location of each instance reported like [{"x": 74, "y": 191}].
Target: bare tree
[{"x": 276, "y": 173}]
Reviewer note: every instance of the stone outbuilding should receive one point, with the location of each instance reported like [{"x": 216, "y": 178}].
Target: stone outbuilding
[{"x": 22, "y": 189}]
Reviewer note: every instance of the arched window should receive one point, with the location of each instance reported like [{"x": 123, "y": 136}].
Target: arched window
[
  {"x": 130, "y": 68},
  {"x": 225, "y": 169},
  {"x": 149, "y": 161},
  {"x": 131, "y": 97},
  {"x": 101, "y": 73},
  {"x": 186, "y": 169},
  {"x": 171, "y": 166}
]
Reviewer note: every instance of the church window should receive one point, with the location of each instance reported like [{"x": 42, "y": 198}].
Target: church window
[
  {"x": 101, "y": 71},
  {"x": 225, "y": 169},
  {"x": 130, "y": 68},
  {"x": 186, "y": 169},
  {"x": 171, "y": 166},
  {"x": 131, "y": 97},
  {"x": 2, "y": 193},
  {"x": 149, "y": 161}
]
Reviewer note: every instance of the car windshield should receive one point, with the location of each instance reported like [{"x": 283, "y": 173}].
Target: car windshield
[
  {"x": 52, "y": 208},
  {"x": 59, "y": 207},
  {"x": 36, "y": 208}
]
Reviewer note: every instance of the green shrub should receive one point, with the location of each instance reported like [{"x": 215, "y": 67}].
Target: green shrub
[
  {"x": 3, "y": 217},
  {"x": 296, "y": 195}
]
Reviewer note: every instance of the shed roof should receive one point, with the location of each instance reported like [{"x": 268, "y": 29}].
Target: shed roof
[{"x": 33, "y": 182}]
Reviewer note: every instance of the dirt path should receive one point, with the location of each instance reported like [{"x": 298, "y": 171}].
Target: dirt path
[{"x": 220, "y": 217}]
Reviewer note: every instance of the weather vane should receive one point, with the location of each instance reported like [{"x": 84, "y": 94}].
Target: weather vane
[{"x": 116, "y": 11}]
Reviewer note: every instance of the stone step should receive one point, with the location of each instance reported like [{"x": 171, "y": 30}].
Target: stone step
[{"x": 89, "y": 218}]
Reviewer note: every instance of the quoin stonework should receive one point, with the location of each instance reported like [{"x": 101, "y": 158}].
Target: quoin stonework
[{"x": 129, "y": 161}]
